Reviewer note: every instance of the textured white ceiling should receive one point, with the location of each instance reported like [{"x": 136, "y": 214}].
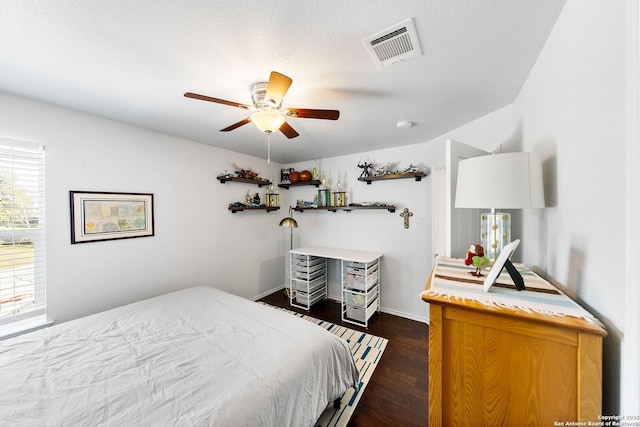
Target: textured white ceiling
[{"x": 132, "y": 61}]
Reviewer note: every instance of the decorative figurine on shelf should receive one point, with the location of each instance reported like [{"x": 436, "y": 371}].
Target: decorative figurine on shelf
[
  {"x": 413, "y": 169},
  {"x": 256, "y": 200},
  {"x": 248, "y": 173},
  {"x": 273, "y": 198},
  {"x": 366, "y": 169},
  {"x": 388, "y": 169},
  {"x": 267, "y": 196},
  {"x": 476, "y": 257}
]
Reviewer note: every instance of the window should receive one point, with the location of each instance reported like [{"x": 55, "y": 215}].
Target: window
[{"x": 22, "y": 231}]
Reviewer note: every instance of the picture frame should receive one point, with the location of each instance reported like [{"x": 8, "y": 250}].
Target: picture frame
[
  {"x": 98, "y": 216},
  {"x": 284, "y": 175},
  {"x": 504, "y": 262}
]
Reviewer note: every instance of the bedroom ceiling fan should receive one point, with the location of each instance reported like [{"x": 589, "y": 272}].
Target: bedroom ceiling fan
[{"x": 267, "y": 99}]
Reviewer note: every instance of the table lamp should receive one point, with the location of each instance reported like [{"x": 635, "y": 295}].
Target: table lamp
[{"x": 499, "y": 181}]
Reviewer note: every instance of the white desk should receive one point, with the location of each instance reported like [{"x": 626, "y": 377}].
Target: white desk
[
  {"x": 336, "y": 253},
  {"x": 360, "y": 278}
]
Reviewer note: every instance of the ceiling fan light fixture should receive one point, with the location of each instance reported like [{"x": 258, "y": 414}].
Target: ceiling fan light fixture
[
  {"x": 267, "y": 121},
  {"x": 267, "y": 98}
]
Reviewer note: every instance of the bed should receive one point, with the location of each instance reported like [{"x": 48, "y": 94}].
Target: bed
[{"x": 194, "y": 357}]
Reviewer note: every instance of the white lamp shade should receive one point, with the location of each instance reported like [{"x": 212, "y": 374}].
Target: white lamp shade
[
  {"x": 500, "y": 181},
  {"x": 267, "y": 121}
]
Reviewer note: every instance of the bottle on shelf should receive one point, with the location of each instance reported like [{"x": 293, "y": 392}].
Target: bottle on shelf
[
  {"x": 324, "y": 193},
  {"x": 339, "y": 195}
]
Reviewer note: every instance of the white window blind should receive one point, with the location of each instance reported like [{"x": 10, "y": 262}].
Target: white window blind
[{"x": 22, "y": 231}]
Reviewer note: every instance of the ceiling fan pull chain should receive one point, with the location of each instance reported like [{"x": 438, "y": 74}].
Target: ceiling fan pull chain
[{"x": 269, "y": 149}]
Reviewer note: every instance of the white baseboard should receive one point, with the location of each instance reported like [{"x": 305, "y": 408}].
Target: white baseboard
[
  {"x": 405, "y": 315},
  {"x": 269, "y": 292},
  {"x": 390, "y": 311},
  {"x": 338, "y": 299}
]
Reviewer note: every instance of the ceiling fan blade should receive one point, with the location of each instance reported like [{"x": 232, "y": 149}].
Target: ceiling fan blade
[
  {"x": 308, "y": 113},
  {"x": 277, "y": 87},
  {"x": 288, "y": 131},
  {"x": 216, "y": 100},
  {"x": 236, "y": 125}
]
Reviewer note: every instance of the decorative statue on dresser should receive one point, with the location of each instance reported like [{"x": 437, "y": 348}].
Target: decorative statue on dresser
[{"x": 476, "y": 257}]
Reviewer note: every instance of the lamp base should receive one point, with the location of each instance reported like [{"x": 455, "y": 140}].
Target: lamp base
[{"x": 495, "y": 233}]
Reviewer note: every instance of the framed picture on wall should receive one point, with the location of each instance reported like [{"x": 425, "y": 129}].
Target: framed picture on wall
[{"x": 97, "y": 216}]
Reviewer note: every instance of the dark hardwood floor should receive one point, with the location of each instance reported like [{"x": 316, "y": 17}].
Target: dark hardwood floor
[{"x": 397, "y": 393}]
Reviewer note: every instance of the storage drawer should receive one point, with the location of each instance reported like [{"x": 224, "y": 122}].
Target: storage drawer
[
  {"x": 314, "y": 285},
  {"x": 306, "y": 258},
  {"x": 310, "y": 299},
  {"x": 360, "y": 282},
  {"x": 308, "y": 262},
  {"x": 309, "y": 276},
  {"x": 360, "y": 314},
  {"x": 309, "y": 268},
  {"x": 361, "y": 267},
  {"x": 359, "y": 299}
]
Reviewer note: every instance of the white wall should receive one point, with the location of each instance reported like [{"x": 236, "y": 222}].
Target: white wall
[
  {"x": 197, "y": 242},
  {"x": 407, "y": 253},
  {"x": 572, "y": 110}
]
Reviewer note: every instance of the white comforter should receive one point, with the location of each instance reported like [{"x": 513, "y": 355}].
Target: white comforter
[{"x": 190, "y": 358}]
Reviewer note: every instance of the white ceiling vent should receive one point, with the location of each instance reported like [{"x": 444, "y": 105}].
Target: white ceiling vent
[{"x": 394, "y": 45}]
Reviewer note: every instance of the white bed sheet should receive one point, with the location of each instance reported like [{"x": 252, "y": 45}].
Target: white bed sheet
[{"x": 194, "y": 357}]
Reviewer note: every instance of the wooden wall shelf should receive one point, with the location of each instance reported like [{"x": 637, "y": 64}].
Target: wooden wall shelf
[
  {"x": 314, "y": 182},
  {"x": 417, "y": 175},
  {"x": 235, "y": 209},
  {"x": 259, "y": 182},
  {"x": 390, "y": 208}
]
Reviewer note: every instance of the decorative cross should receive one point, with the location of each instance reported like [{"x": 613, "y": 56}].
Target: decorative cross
[{"x": 406, "y": 214}]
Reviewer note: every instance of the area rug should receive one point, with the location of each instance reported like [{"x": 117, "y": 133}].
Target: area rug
[{"x": 366, "y": 350}]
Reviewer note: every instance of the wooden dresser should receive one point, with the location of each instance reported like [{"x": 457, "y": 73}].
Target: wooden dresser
[{"x": 503, "y": 364}]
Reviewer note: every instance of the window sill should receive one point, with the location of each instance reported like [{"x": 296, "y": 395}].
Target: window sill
[{"x": 23, "y": 326}]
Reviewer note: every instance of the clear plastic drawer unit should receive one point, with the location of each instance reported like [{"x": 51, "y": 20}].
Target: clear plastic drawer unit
[
  {"x": 308, "y": 280},
  {"x": 360, "y": 291},
  {"x": 358, "y": 279}
]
